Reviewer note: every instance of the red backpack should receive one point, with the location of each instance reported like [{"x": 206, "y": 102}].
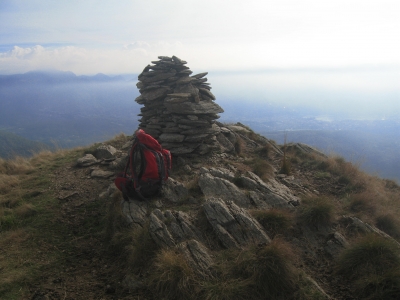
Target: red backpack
[{"x": 148, "y": 165}]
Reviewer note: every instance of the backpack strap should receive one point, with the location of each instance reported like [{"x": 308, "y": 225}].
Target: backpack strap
[{"x": 135, "y": 177}]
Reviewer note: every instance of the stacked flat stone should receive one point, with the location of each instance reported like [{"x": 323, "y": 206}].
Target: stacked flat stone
[{"x": 179, "y": 109}]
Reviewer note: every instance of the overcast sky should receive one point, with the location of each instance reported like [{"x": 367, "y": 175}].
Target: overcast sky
[
  {"x": 351, "y": 43},
  {"x": 122, "y": 36}
]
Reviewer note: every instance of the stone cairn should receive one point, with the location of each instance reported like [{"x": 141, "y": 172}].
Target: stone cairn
[{"x": 179, "y": 109}]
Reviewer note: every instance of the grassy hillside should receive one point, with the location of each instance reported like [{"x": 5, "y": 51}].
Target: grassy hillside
[
  {"x": 375, "y": 152},
  {"x": 12, "y": 145},
  {"x": 60, "y": 239}
]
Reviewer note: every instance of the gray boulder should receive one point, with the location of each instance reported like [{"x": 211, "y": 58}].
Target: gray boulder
[
  {"x": 135, "y": 212},
  {"x": 174, "y": 190},
  {"x": 104, "y": 152},
  {"x": 98, "y": 173},
  {"x": 336, "y": 244},
  {"x": 221, "y": 188},
  {"x": 233, "y": 226},
  {"x": 168, "y": 228},
  {"x": 273, "y": 193},
  {"x": 86, "y": 161},
  {"x": 198, "y": 257}
]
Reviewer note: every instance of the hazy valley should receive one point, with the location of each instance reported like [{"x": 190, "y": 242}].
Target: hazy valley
[{"x": 63, "y": 110}]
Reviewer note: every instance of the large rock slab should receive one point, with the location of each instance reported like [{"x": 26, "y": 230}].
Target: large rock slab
[
  {"x": 174, "y": 190},
  {"x": 221, "y": 188},
  {"x": 198, "y": 257},
  {"x": 355, "y": 225},
  {"x": 234, "y": 227},
  {"x": 135, "y": 212},
  {"x": 169, "y": 228},
  {"x": 272, "y": 193}
]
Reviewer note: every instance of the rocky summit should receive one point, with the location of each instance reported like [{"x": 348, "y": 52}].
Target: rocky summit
[
  {"x": 178, "y": 109},
  {"x": 239, "y": 217}
]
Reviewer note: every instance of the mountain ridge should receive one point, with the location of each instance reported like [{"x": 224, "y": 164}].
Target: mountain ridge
[{"x": 111, "y": 248}]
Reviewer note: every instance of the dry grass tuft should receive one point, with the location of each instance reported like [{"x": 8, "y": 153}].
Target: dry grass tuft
[
  {"x": 389, "y": 224},
  {"x": 7, "y": 183},
  {"x": 264, "y": 151},
  {"x": 261, "y": 168},
  {"x": 349, "y": 173},
  {"x": 119, "y": 140},
  {"x": 275, "y": 221},
  {"x": 26, "y": 210},
  {"x": 13, "y": 238},
  {"x": 16, "y": 166},
  {"x": 316, "y": 211},
  {"x": 268, "y": 270},
  {"x": 226, "y": 289},
  {"x": 142, "y": 249},
  {"x": 171, "y": 277},
  {"x": 372, "y": 264},
  {"x": 7, "y": 219},
  {"x": 240, "y": 145},
  {"x": 364, "y": 202}
]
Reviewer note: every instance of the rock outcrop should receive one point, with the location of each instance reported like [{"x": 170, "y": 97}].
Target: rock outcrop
[
  {"x": 233, "y": 226},
  {"x": 179, "y": 109}
]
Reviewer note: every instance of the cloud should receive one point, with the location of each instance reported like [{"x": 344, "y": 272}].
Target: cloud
[{"x": 131, "y": 58}]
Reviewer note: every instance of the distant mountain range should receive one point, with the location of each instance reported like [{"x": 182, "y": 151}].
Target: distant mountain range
[
  {"x": 68, "y": 110},
  {"x": 57, "y": 77}
]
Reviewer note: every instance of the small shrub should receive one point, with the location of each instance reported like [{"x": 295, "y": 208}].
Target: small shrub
[
  {"x": 193, "y": 187},
  {"x": 344, "y": 180},
  {"x": 386, "y": 286},
  {"x": 226, "y": 289},
  {"x": 261, "y": 168},
  {"x": 92, "y": 149},
  {"x": 316, "y": 212},
  {"x": 171, "y": 277},
  {"x": 294, "y": 160},
  {"x": 264, "y": 151},
  {"x": 391, "y": 184},
  {"x": 274, "y": 221},
  {"x": 322, "y": 175},
  {"x": 142, "y": 249},
  {"x": 7, "y": 183},
  {"x": 119, "y": 140},
  {"x": 268, "y": 269},
  {"x": 16, "y": 166},
  {"x": 239, "y": 146},
  {"x": 373, "y": 265},
  {"x": 362, "y": 203},
  {"x": 388, "y": 224},
  {"x": 286, "y": 167},
  {"x": 7, "y": 219},
  {"x": 323, "y": 165}
]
